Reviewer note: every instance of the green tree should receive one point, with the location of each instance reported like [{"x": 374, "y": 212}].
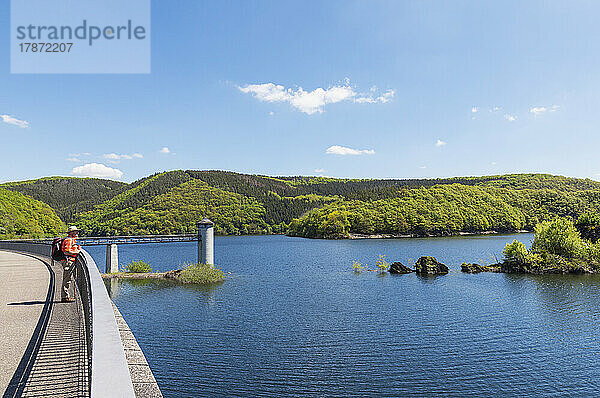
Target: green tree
[
  {"x": 559, "y": 237},
  {"x": 516, "y": 252},
  {"x": 588, "y": 225}
]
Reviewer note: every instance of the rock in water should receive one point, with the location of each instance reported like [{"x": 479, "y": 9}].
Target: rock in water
[
  {"x": 476, "y": 268},
  {"x": 399, "y": 268},
  {"x": 428, "y": 265},
  {"x": 472, "y": 268}
]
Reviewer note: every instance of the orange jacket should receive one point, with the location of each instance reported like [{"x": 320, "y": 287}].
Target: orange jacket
[{"x": 70, "y": 245}]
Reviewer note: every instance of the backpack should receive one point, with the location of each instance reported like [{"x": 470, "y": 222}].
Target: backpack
[{"x": 57, "y": 253}]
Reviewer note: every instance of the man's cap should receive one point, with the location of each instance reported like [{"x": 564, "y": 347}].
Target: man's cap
[{"x": 73, "y": 228}]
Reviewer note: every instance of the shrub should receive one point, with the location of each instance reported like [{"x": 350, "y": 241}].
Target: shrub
[
  {"x": 201, "y": 274},
  {"x": 559, "y": 237},
  {"x": 588, "y": 225},
  {"x": 358, "y": 267},
  {"x": 138, "y": 266},
  {"x": 382, "y": 264},
  {"x": 516, "y": 252},
  {"x": 591, "y": 252}
]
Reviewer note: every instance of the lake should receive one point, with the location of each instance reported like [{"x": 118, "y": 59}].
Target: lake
[{"x": 293, "y": 319}]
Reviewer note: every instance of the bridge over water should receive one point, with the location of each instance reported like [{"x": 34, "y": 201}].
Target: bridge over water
[{"x": 204, "y": 237}]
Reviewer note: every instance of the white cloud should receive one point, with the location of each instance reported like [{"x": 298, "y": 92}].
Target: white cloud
[
  {"x": 165, "y": 150},
  {"x": 494, "y": 163},
  {"x": 342, "y": 150},
  {"x": 319, "y": 170},
  {"x": 97, "y": 170},
  {"x": 496, "y": 109},
  {"x": 14, "y": 121},
  {"x": 116, "y": 157},
  {"x": 509, "y": 117},
  {"x": 540, "y": 110},
  {"x": 271, "y": 113},
  {"x": 387, "y": 96},
  {"x": 440, "y": 143},
  {"x": 474, "y": 109},
  {"x": 74, "y": 159},
  {"x": 314, "y": 101},
  {"x": 422, "y": 167},
  {"x": 383, "y": 98},
  {"x": 111, "y": 156}
]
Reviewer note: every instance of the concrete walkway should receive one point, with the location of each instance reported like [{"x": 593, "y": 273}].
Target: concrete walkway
[
  {"x": 24, "y": 283},
  {"x": 42, "y": 344}
]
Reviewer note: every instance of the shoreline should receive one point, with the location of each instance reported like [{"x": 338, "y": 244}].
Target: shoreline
[{"x": 398, "y": 236}]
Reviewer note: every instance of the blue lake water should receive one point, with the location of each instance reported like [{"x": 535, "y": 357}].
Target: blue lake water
[{"x": 294, "y": 320}]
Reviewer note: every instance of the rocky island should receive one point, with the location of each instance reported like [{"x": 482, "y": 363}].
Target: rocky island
[
  {"x": 559, "y": 247},
  {"x": 425, "y": 265}
]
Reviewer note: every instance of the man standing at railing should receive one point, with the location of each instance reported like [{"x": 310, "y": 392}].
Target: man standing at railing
[{"x": 71, "y": 249}]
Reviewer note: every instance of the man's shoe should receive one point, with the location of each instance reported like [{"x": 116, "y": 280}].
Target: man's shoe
[{"x": 68, "y": 300}]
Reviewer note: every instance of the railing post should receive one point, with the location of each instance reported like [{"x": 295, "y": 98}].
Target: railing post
[
  {"x": 112, "y": 259},
  {"x": 206, "y": 242}
]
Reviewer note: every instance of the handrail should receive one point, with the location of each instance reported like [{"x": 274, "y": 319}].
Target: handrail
[
  {"x": 123, "y": 239},
  {"x": 110, "y": 375}
]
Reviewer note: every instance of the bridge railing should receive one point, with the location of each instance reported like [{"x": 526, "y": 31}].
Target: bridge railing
[
  {"x": 107, "y": 366},
  {"x": 127, "y": 239}
]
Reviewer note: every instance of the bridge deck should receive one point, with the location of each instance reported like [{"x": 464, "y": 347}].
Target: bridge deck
[{"x": 41, "y": 344}]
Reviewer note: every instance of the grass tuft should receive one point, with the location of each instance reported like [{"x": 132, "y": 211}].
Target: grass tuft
[
  {"x": 201, "y": 274},
  {"x": 137, "y": 267}
]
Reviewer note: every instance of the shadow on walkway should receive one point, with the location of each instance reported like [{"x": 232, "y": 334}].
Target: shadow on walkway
[
  {"x": 29, "y": 303},
  {"x": 54, "y": 363}
]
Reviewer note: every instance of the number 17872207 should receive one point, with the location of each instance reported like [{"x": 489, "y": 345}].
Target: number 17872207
[{"x": 45, "y": 47}]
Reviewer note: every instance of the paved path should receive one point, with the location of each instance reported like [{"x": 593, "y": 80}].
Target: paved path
[
  {"x": 24, "y": 283},
  {"x": 42, "y": 342}
]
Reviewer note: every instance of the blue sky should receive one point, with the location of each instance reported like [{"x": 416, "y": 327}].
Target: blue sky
[{"x": 364, "y": 89}]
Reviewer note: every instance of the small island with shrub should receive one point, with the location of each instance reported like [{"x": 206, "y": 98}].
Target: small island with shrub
[
  {"x": 559, "y": 247},
  {"x": 196, "y": 273}
]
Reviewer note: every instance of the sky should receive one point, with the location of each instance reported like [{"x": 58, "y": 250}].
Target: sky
[{"x": 359, "y": 89}]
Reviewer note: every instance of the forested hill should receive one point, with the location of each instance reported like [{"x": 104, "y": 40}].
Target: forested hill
[
  {"x": 172, "y": 202},
  {"x": 24, "y": 217},
  {"x": 68, "y": 196}
]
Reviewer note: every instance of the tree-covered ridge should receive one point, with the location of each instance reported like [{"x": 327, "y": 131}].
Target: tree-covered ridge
[
  {"x": 245, "y": 184},
  {"x": 326, "y": 185},
  {"x": 143, "y": 191},
  {"x": 135, "y": 210},
  {"x": 323, "y": 207},
  {"x": 282, "y": 200},
  {"x": 68, "y": 196},
  {"x": 534, "y": 181},
  {"x": 24, "y": 217},
  {"x": 178, "y": 211},
  {"x": 444, "y": 210}
]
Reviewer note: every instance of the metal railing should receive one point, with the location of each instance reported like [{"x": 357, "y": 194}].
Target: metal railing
[
  {"x": 84, "y": 299},
  {"x": 125, "y": 239},
  {"x": 107, "y": 369}
]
